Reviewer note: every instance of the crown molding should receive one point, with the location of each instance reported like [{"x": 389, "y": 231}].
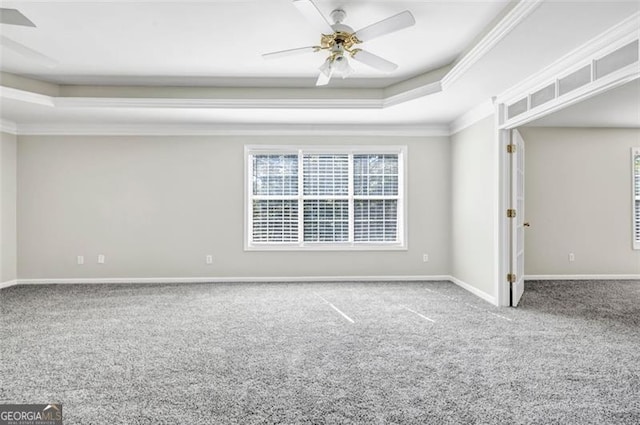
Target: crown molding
[
  {"x": 408, "y": 130},
  {"x": 246, "y": 103},
  {"x": 416, "y": 87},
  {"x": 9, "y": 127},
  {"x": 65, "y": 96},
  {"x": 422, "y": 91},
  {"x": 478, "y": 113},
  {"x": 26, "y": 96},
  {"x": 511, "y": 20},
  {"x": 23, "y": 89}
]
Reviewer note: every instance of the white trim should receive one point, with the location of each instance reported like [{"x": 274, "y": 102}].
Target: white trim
[
  {"x": 475, "y": 291},
  {"x": 218, "y": 279},
  {"x": 26, "y": 96},
  {"x": 611, "y": 81},
  {"x": 235, "y": 130},
  {"x": 7, "y": 126},
  {"x": 616, "y": 37},
  {"x": 9, "y": 283},
  {"x": 516, "y": 15},
  {"x": 261, "y": 279},
  {"x": 472, "y": 116},
  {"x": 606, "y": 42},
  {"x": 582, "y": 277},
  {"x": 218, "y": 103},
  {"x": 412, "y": 94},
  {"x": 349, "y": 245},
  {"x": 504, "y": 195}
]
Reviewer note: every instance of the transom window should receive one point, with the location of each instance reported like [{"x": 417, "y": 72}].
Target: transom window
[{"x": 325, "y": 198}]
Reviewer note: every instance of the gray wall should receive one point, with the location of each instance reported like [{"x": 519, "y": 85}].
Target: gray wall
[
  {"x": 7, "y": 207},
  {"x": 474, "y": 206},
  {"x": 578, "y": 199},
  {"x": 155, "y": 206}
]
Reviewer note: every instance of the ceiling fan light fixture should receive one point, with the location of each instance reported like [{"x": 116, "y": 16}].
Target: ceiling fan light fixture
[
  {"x": 324, "y": 78},
  {"x": 326, "y": 68},
  {"x": 341, "y": 66},
  {"x": 340, "y": 63},
  {"x": 338, "y": 38}
]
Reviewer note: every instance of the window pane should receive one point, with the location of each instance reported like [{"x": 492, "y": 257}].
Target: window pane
[
  {"x": 636, "y": 174},
  {"x": 275, "y": 174},
  {"x": 376, "y": 220},
  {"x": 636, "y": 192},
  {"x": 275, "y": 220},
  {"x": 325, "y": 175},
  {"x": 326, "y": 221},
  {"x": 375, "y": 174}
]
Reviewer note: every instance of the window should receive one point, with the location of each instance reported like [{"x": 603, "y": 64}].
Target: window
[
  {"x": 635, "y": 163},
  {"x": 325, "y": 197}
]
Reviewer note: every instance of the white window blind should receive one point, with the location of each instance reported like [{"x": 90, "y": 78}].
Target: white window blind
[
  {"x": 376, "y": 197},
  {"x": 326, "y": 188},
  {"x": 274, "y": 205},
  {"x": 325, "y": 197},
  {"x": 635, "y": 163}
]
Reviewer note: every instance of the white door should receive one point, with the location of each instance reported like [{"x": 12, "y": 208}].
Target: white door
[{"x": 517, "y": 224}]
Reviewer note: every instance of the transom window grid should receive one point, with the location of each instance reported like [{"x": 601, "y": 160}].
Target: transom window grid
[{"x": 343, "y": 199}]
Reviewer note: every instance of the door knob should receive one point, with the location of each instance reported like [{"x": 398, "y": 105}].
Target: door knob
[{"x": 526, "y": 224}]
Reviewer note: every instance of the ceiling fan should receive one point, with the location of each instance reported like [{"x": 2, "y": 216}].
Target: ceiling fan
[
  {"x": 339, "y": 41},
  {"x": 14, "y": 17}
]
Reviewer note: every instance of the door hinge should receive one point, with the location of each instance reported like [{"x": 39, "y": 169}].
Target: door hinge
[
  {"x": 511, "y": 213},
  {"x": 511, "y": 277},
  {"x": 511, "y": 148}
]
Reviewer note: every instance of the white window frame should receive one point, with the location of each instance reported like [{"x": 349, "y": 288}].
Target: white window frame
[
  {"x": 635, "y": 190},
  {"x": 400, "y": 244}
]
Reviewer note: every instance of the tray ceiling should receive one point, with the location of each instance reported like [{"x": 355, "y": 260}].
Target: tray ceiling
[{"x": 198, "y": 63}]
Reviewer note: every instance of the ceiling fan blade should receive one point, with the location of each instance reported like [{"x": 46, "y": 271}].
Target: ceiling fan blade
[
  {"x": 27, "y": 52},
  {"x": 289, "y": 52},
  {"x": 14, "y": 17},
  {"x": 374, "y": 61},
  {"x": 313, "y": 15},
  {"x": 394, "y": 23}
]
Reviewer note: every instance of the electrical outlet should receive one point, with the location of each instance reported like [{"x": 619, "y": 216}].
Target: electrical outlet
[
  {"x": 80, "y": 259},
  {"x": 101, "y": 258},
  {"x": 572, "y": 256},
  {"x": 425, "y": 258},
  {"x": 209, "y": 259}
]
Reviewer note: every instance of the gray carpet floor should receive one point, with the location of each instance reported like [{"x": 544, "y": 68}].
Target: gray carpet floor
[{"x": 323, "y": 353}]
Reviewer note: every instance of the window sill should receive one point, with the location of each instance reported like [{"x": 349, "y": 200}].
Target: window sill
[{"x": 326, "y": 247}]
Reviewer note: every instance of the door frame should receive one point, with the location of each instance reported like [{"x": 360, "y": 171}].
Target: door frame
[
  {"x": 504, "y": 201},
  {"x": 503, "y": 138}
]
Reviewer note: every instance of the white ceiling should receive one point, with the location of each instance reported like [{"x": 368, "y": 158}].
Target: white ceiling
[
  {"x": 187, "y": 42},
  {"x": 215, "y": 47}
]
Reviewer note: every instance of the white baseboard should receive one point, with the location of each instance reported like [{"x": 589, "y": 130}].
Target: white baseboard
[
  {"x": 227, "y": 279},
  {"x": 475, "y": 291},
  {"x": 8, "y": 283},
  {"x": 582, "y": 277},
  {"x": 143, "y": 280}
]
